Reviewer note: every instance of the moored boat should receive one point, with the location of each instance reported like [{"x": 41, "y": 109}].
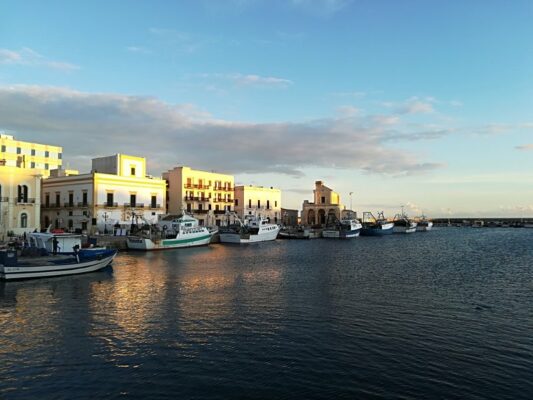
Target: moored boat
[
  {"x": 402, "y": 224},
  {"x": 12, "y": 267},
  {"x": 424, "y": 224},
  {"x": 253, "y": 229},
  {"x": 186, "y": 232},
  {"x": 294, "y": 233},
  {"x": 373, "y": 226},
  {"x": 345, "y": 228}
]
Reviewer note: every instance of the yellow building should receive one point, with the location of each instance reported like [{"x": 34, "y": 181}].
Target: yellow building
[
  {"x": 326, "y": 205},
  {"x": 20, "y": 200},
  {"x": 116, "y": 193},
  {"x": 206, "y": 195},
  {"x": 18, "y": 154},
  {"x": 258, "y": 200}
]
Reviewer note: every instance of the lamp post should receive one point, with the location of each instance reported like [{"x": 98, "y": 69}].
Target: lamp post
[
  {"x": 351, "y": 201},
  {"x": 105, "y": 223}
]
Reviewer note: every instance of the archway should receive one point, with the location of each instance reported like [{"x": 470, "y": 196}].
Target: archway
[
  {"x": 321, "y": 216},
  {"x": 311, "y": 217}
]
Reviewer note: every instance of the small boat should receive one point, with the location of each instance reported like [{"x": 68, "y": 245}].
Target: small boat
[
  {"x": 294, "y": 233},
  {"x": 346, "y": 228},
  {"x": 186, "y": 232},
  {"x": 53, "y": 242},
  {"x": 253, "y": 229},
  {"x": 13, "y": 267},
  {"x": 373, "y": 226},
  {"x": 424, "y": 224},
  {"x": 402, "y": 224}
]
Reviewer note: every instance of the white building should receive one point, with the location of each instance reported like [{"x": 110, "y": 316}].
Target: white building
[
  {"x": 116, "y": 192},
  {"x": 258, "y": 200}
]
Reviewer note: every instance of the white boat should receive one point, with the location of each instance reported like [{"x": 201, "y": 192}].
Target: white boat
[
  {"x": 424, "y": 224},
  {"x": 344, "y": 229},
  {"x": 12, "y": 267},
  {"x": 402, "y": 224},
  {"x": 254, "y": 229},
  {"x": 186, "y": 233}
]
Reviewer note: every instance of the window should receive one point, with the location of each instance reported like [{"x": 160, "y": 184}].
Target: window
[
  {"x": 3, "y": 148},
  {"x": 258, "y": 203},
  {"x": 84, "y": 226},
  {"x": 268, "y": 204},
  {"x": 60, "y": 156},
  {"x": 46, "y": 166},
  {"x": 189, "y": 207},
  {"x": 132, "y": 171},
  {"x": 47, "y": 153},
  {"x": 200, "y": 207},
  {"x": 323, "y": 200},
  {"x": 209, "y": 207},
  {"x": 110, "y": 200},
  {"x": 23, "y": 220},
  {"x": 154, "y": 202},
  {"x": 22, "y": 195},
  {"x": 276, "y": 203},
  {"x": 70, "y": 224},
  {"x": 32, "y": 152},
  {"x": 236, "y": 202},
  {"x": 250, "y": 203},
  {"x": 47, "y": 200},
  {"x": 32, "y": 165},
  {"x": 133, "y": 200},
  {"x": 217, "y": 208},
  {"x": 58, "y": 199},
  {"x": 70, "y": 213},
  {"x": 19, "y": 150},
  {"x": 71, "y": 199},
  {"x": 84, "y": 199}
]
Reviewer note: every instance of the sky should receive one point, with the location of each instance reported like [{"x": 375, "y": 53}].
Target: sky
[{"x": 414, "y": 103}]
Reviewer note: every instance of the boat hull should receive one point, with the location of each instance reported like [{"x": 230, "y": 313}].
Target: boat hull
[
  {"x": 378, "y": 230},
  {"x": 51, "y": 270},
  {"x": 424, "y": 228},
  {"x": 146, "y": 244},
  {"x": 239, "y": 238},
  {"x": 336, "y": 234},
  {"x": 404, "y": 229}
]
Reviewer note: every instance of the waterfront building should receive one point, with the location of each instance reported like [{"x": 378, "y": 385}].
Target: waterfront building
[
  {"x": 205, "y": 195},
  {"x": 289, "y": 217},
  {"x": 20, "y": 200},
  {"x": 116, "y": 193},
  {"x": 259, "y": 201},
  {"x": 28, "y": 155},
  {"x": 326, "y": 206}
]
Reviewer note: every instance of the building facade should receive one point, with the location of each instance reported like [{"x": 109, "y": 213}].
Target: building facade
[
  {"x": 289, "y": 217},
  {"x": 116, "y": 193},
  {"x": 27, "y": 155},
  {"x": 206, "y": 195},
  {"x": 325, "y": 207},
  {"x": 20, "y": 200},
  {"x": 258, "y": 200}
]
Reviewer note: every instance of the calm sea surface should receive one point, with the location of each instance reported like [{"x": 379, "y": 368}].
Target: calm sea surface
[{"x": 444, "y": 314}]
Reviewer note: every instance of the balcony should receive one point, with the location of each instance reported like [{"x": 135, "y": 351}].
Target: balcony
[
  {"x": 193, "y": 198},
  {"x": 82, "y": 204},
  {"x": 25, "y": 201},
  {"x": 224, "y": 188},
  {"x": 199, "y": 211},
  {"x": 195, "y": 186},
  {"x": 223, "y": 201},
  {"x": 108, "y": 205},
  {"x": 69, "y": 205},
  {"x": 220, "y": 212},
  {"x": 154, "y": 206},
  {"x": 134, "y": 205}
]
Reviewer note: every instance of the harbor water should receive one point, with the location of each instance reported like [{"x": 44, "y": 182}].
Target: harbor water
[{"x": 443, "y": 314}]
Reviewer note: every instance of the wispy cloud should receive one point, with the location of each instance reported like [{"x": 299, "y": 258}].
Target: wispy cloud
[
  {"x": 138, "y": 49},
  {"x": 322, "y": 7},
  {"x": 248, "y": 79},
  {"x": 184, "y": 42},
  {"x": 29, "y": 57},
  {"x": 96, "y": 124},
  {"x": 525, "y": 147}
]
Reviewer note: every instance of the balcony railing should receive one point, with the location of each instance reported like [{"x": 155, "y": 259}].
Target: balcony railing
[
  {"x": 133, "y": 205},
  {"x": 196, "y": 186},
  {"x": 82, "y": 204},
  {"x": 196, "y": 198},
  {"x": 155, "y": 205},
  {"x": 224, "y": 188},
  {"x": 25, "y": 201},
  {"x": 220, "y": 212},
  {"x": 69, "y": 205},
  {"x": 199, "y": 211},
  {"x": 108, "y": 205},
  {"x": 223, "y": 200}
]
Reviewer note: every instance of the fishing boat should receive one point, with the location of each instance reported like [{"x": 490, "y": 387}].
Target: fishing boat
[
  {"x": 184, "y": 232},
  {"x": 373, "y": 226},
  {"x": 345, "y": 228},
  {"x": 253, "y": 229},
  {"x": 295, "y": 233},
  {"x": 403, "y": 224},
  {"x": 424, "y": 224},
  {"x": 12, "y": 267}
]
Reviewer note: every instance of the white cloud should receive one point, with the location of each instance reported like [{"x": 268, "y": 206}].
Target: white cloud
[
  {"x": 97, "y": 124},
  {"x": 29, "y": 57}
]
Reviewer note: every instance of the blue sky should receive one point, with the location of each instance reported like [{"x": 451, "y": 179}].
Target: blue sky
[{"x": 426, "y": 104}]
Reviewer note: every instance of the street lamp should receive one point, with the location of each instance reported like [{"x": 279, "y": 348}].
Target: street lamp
[{"x": 105, "y": 223}]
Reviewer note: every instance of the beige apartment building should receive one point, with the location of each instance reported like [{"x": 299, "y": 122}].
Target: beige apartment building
[
  {"x": 28, "y": 155},
  {"x": 206, "y": 195},
  {"x": 258, "y": 200},
  {"x": 114, "y": 195},
  {"x": 326, "y": 205}
]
